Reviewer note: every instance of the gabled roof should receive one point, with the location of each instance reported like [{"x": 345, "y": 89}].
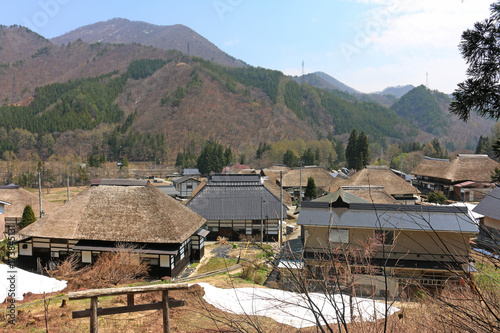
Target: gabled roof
[
  {"x": 490, "y": 205},
  {"x": 19, "y": 198},
  {"x": 340, "y": 194},
  {"x": 191, "y": 172},
  {"x": 381, "y": 175},
  {"x": 464, "y": 167},
  {"x": 181, "y": 180},
  {"x": 235, "y": 197},
  {"x": 401, "y": 217},
  {"x": 322, "y": 178},
  {"x": 120, "y": 214}
]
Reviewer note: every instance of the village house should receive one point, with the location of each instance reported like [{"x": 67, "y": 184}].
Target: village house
[
  {"x": 185, "y": 185},
  {"x": 2, "y": 215},
  {"x": 464, "y": 178},
  {"x": 296, "y": 179},
  {"x": 412, "y": 244},
  {"x": 361, "y": 193},
  {"x": 238, "y": 205},
  {"x": 375, "y": 176},
  {"x": 113, "y": 212},
  {"x": 18, "y": 199},
  {"x": 489, "y": 224}
]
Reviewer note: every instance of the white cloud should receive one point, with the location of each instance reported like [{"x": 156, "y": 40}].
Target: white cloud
[{"x": 232, "y": 42}]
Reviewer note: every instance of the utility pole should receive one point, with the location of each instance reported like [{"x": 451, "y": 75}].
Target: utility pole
[
  {"x": 40, "y": 193},
  {"x": 67, "y": 187},
  {"x": 300, "y": 181},
  {"x": 281, "y": 210},
  {"x": 261, "y": 222}
]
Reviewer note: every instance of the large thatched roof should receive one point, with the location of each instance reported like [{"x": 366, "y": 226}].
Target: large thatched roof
[
  {"x": 381, "y": 175},
  {"x": 122, "y": 213},
  {"x": 464, "y": 167},
  {"x": 322, "y": 178},
  {"x": 19, "y": 198}
]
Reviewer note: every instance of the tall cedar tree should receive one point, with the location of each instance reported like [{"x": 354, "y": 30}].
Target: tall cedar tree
[
  {"x": 290, "y": 159},
  {"x": 311, "y": 191},
  {"x": 28, "y": 217},
  {"x": 351, "y": 151},
  {"x": 363, "y": 158}
]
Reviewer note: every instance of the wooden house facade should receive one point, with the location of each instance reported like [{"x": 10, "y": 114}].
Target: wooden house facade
[
  {"x": 442, "y": 175},
  {"x": 111, "y": 214},
  {"x": 410, "y": 244},
  {"x": 237, "y": 205}
]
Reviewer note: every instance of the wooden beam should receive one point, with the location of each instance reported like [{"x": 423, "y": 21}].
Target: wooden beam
[
  {"x": 94, "y": 323},
  {"x": 124, "y": 309},
  {"x": 165, "y": 304},
  {"x": 126, "y": 290},
  {"x": 130, "y": 299}
]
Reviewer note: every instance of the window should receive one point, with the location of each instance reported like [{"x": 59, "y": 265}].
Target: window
[
  {"x": 339, "y": 235},
  {"x": 384, "y": 237}
]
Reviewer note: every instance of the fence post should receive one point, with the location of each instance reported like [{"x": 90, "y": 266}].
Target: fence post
[
  {"x": 94, "y": 324},
  {"x": 164, "y": 303}
]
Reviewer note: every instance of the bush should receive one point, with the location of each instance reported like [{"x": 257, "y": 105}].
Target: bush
[{"x": 435, "y": 197}]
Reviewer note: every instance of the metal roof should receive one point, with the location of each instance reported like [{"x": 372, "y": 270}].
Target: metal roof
[
  {"x": 190, "y": 172},
  {"x": 235, "y": 202},
  {"x": 489, "y": 206},
  {"x": 407, "y": 217},
  {"x": 234, "y": 179}
]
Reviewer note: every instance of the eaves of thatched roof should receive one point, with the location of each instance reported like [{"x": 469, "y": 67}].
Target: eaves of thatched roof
[
  {"x": 393, "y": 184},
  {"x": 464, "y": 167},
  {"x": 322, "y": 178},
  {"x": 120, "y": 214},
  {"x": 19, "y": 198}
]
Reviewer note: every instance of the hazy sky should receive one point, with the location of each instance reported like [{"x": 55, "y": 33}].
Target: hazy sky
[{"x": 366, "y": 44}]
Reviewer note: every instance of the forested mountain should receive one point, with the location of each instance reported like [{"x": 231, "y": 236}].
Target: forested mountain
[
  {"x": 173, "y": 37},
  {"x": 324, "y": 81},
  {"x": 397, "y": 91},
  {"x": 425, "y": 109}
]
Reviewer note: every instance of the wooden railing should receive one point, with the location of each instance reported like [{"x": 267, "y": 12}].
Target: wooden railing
[{"x": 95, "y": 311}]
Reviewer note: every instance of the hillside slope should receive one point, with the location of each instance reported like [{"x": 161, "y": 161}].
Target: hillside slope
[{"x": 123, "y": 31}]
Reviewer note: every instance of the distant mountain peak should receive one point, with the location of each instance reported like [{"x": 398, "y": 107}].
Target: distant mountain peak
[
  {"x": 397, "y": 91},
  {"x": 123, "y": 31}
]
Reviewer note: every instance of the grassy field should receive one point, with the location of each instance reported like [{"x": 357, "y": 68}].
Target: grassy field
[{"x": 58, "y": 195}]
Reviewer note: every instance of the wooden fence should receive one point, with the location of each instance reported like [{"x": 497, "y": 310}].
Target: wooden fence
[{"x": 95, "y": 311}]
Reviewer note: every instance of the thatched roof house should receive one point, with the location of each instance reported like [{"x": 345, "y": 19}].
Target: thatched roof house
[
  {"x": 19, "y": 198},
  {"x": 464, "y": 167},
  {"x": 321, "y": 177},
  {"x": 120, "y": 211},
  {"x": 441, "y": 174},
  {"x": 371, "y": 178}
]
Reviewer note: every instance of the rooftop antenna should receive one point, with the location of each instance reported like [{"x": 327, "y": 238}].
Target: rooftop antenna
[{"x": 302, "y": 67}]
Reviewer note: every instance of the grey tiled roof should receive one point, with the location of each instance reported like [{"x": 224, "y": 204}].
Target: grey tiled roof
[
  {"x": 220, "y": 201},
  {"x": 407, "y": 217},
  {"x": 490, "y": 205}
]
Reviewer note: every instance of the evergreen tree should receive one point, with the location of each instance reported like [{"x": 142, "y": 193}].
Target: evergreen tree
[
  {"x": 228, "y": 156},
  {"x": 28, "y": 217},
  {"x": 308, "y": 157},
  {"x": 290, "y": 159},
  {"x": 311, "y": 191},
  {"x": 351, "y": 153},
  {"x": 363, "y": 151}
]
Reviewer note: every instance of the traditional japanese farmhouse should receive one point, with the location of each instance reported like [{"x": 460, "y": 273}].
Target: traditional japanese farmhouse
[
  {"x": 376, "y": 176},
  {"x": 18, "y": 199},
  {"x": 454, "y": 178},
  {"x": 489, "y": 225},
  {"x": 296, "y": 179},
  {"x": 113, "y": 212},
  {"x": 412, "y": 244},
  {"x": 237, "y": 205}
]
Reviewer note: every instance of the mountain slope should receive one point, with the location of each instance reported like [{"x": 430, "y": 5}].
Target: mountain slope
[
  {"x": 397, "y": 91},
  {"x": 17, "y": 43},
  {"x": 425, "y": 109},
  {"x": 123, "y": 31}
]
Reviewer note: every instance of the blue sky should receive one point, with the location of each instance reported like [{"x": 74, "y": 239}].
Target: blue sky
[{"x": 366, "y": 44}]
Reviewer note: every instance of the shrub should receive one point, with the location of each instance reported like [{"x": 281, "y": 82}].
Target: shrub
[{"x": 435, "y": 197}]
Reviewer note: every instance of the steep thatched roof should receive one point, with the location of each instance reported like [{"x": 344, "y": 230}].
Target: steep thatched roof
[
  {"x": 121, "y": 214},
  {"x": 464, "y": 167},
  {"x": 321, "y": 177},
  {"x": 19, "y": 198},
  {"x": 275, "y": 189},
  {"x": 381, "y": 175}
]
